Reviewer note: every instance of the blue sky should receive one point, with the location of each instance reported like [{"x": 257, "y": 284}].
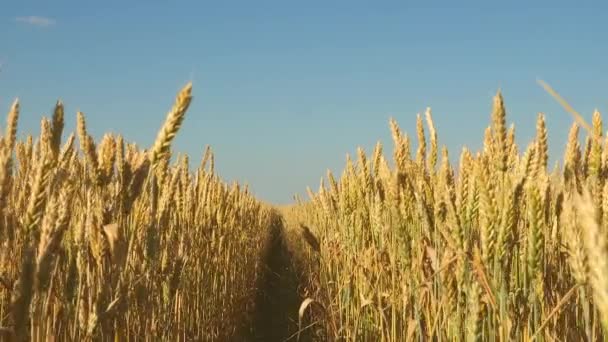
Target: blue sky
[{"x": 284, "y": 89}]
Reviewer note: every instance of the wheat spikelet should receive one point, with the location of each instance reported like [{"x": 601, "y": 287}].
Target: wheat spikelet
[
  {"x": 472, "y": 201},
  {"x": 38, "y": 196},
  {"x": 66, "y": 151},
  {"x": 54, "y": 225},
  {"x": 529, "y": 163},
  {"x": 446, "y": 175},
  {"x": 586, "y": 156},
  {"x": 488, "y": 214},
  {"x": 365, "y": 174},
  {"x": 87, "y": 145},
  {"x": 508, "y": 222},
  {"x": 455, "y": 223},
  {"x": 464, "y": 171},
  {"x": 432, "y": 161},
  {"x": 212, "y": 164},
  {"x": 121, "y": 167},
  {"x": 597, "y": 255},
  {"x": 572, "y": 230},
  {"x": 206, "y": 156},
  {"x": 421, "y": 151},
  {"x": 376, "y": 160},
  {"x": 595, "y": 153},
  {"x": 572, "y": 157},
  {"x": 542, "y": 150},
  {"x": 11, "y": 126},
  {"x": 401, "y": 151},
  {"x": 499, "y": 133},
  {"x": 6, "y": 151},
  {"x": 5, "y": 174},
  {"x": 512, "y": 147},
  {"x": 174, "y": 120},
  {"x": 333, "y": 184},
  {"x": 474, "y": 314},
  {"x": 107, "y": 157},
  {"x": 81, "y": 128},
  {"x": 535, "y": 232},
  {"x": 57, "y": 127},
  {"x": 488, "y": 142},
  {"x": 46, "y": 143}
]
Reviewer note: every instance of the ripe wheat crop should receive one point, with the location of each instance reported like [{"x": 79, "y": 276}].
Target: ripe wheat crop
[
  {"x": 102, "y": 240},
  {"x": 112, "y": 242},
  {"x": 497, "y": 248}
]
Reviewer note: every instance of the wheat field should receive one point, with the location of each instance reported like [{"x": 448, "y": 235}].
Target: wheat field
[{"x": 106, "y": 241}]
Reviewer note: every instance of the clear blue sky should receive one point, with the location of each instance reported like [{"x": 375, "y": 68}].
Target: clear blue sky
[{"x": 284, "y": 89}]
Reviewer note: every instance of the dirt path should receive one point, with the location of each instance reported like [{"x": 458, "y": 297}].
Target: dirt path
[{"x": 278, "y": 300}]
